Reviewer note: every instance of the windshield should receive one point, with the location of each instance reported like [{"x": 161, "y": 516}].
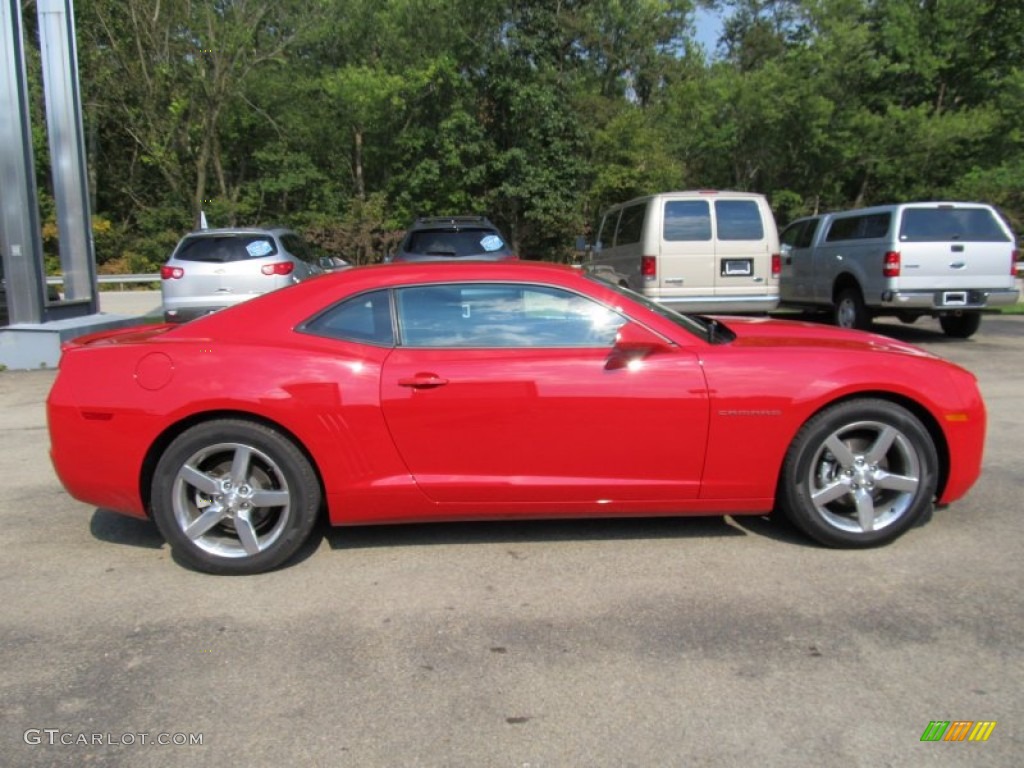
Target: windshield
[{"x": 698, "y": 326}]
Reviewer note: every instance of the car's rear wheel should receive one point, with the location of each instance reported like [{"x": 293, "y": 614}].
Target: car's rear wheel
[
  {"x": 234, "y": 497},
  {"x": 961, "y": 326},
  {"x": 850, "y": 311},
  {"x": 859, "y": 474}
]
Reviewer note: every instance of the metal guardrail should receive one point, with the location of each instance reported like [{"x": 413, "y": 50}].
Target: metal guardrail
[{"x": 112, "y": 279}]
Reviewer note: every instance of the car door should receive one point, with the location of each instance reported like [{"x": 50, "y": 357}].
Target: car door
[
  {"x": 514, "y": 393},
  {"x": 797, "y": 278}
]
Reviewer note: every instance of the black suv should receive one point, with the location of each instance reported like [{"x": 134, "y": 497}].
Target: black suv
[{"x": 442, "y": 238}]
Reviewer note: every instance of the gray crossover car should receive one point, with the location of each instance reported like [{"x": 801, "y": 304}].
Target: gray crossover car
[
  {"x": 215, "y": 268},
  {"x": 453, "y": 237}
]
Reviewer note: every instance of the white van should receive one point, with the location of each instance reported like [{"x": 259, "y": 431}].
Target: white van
[
  {"x": 694, "y": 251},
  {"x": 950, "y": 260}
]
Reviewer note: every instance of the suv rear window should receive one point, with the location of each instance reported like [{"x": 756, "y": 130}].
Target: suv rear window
[
  {"x": 462, "y": 242},
  {"x": 935, "y": 225},
  {"x": 220, "y": 250}
]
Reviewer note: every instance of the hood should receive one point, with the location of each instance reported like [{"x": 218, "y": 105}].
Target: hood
[{"x": 769, "y": 332}]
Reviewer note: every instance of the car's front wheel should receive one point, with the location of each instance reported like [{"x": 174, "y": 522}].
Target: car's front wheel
[
  {"x": 234, "y": 497},
  {"x": 859, "y": 474}
]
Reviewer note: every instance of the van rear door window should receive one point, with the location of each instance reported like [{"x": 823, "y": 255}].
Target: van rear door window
[
  {"x": 687, "y": 220},
  {"x": 738, "y": 220},
  {"x": 934, "y": 225}
]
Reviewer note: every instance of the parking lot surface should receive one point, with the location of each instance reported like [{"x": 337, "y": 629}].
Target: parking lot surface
[{"x": 689, "y": 642}]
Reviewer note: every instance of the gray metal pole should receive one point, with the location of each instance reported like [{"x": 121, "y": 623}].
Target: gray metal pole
[
  {"x": 67, "y": 148},
  {"x": 20, "y": 241}
]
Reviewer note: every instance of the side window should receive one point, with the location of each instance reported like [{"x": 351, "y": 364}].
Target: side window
[
  {"x": 738, "y": 220},
  {"x": 365, "y": 318},
  {"x": 871, "y": 225},
  {"x": 631, "y": 225},
  {"x": 791, "y": 234},
  {"x": 800, "y": 234},
  {"x": 806, "y": 234},
  {"x": 687, "y": 220},
  {"x": 298, "y": 248},
  {"x": 875, "y": 225},
  {"x": 502, "y": 316},
  {"x": 606, "y": 235},
  {"x": 843, "y": 229}
]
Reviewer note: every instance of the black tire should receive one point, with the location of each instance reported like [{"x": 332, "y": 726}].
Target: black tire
[
  {"x": 217, "y": 476},
  {"x": 850, "y": 311},
  {"x": 859, "y": 474},
  {"x": 961, "y": 326}
]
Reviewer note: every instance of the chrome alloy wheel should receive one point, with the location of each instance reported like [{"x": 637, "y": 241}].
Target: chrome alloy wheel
[
  {"x": 231, "y": 500},
  {"x": 864, "y": 476}
]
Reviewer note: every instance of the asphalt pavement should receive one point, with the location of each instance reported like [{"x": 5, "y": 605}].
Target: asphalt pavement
[{"x": 689, "y": 642}]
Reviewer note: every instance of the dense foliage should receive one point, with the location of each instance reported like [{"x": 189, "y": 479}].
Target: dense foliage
[{"x": 346, "y": 118}]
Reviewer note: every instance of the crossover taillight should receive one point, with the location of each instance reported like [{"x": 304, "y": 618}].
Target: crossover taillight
[
  {"x": 171, "y": 273},
  {"x": 278, "y": 268},
  {"x": 649, "y": 268},
  {"x": 892, "y": 264}
]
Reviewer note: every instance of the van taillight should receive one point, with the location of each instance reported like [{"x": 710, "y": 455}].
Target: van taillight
[
  {"x": 279, "y": 268},
  {"x": 1013, "y": 262},
  {"x": 649, "y": 268},
  {"x": 892, "y": 264},
  {"x": 776, "y": 264},
  {"x": 171, "y": 273}
]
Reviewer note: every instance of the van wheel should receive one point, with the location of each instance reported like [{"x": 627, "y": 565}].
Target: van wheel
[
  {"x": 850, "y": 311},
  {"x": 961, "y": 326}
]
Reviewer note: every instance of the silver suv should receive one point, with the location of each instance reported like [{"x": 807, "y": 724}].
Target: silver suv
[{"x": 215, "y": 268}]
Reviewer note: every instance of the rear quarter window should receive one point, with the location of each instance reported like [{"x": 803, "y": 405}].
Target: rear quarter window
[
  {"x": 933, "y": 225},
  {"x": 221, "y": 250},
  {"x": 365, "y": 318}
]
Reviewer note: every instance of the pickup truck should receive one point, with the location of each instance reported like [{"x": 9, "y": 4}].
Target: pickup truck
[{"x": 943, "y": 259}]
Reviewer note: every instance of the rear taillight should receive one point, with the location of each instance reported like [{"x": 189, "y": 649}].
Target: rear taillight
[
  {"x": 1013, "y": 262},
  {"x": 278, "y": 268},
  {"x": 776, "y": 264},
  {"x": 892, "y": 264},
  {"x": 649, "y": 268},
  {"x": 171, "y": 273}
]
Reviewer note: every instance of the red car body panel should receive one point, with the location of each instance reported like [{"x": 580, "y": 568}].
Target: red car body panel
[{"x": 695, "y": 428}]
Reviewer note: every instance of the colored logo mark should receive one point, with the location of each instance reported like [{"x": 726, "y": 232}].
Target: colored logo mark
[{"x": 958, "y": 730}]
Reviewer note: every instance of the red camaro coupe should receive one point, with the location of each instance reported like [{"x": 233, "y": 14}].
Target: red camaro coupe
[{"x": 413, "y": 392}]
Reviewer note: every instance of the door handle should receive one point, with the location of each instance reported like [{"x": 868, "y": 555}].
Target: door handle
[{"x": 423, "y": 381}]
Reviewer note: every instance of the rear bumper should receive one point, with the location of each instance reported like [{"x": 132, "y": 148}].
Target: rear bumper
[
  {"x": 720, "y": 305},
  {"x": 951, "y": 300}
]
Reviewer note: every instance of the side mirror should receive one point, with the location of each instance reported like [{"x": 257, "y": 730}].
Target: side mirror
[{"x": 634, "y": 343}]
